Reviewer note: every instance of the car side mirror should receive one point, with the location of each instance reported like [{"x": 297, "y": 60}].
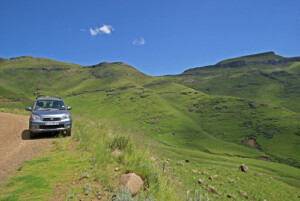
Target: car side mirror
[
  {"x": 28, "y": 109},
  {"x": 69, "y": 107}
]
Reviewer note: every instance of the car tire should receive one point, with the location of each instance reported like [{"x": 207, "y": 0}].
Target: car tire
[
  {"x": 31, "y": 135},
  {"x": 69, "y": 133}
]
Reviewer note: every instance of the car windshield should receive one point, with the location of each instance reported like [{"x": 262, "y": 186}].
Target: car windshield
[{"x": 49, "y": 105}]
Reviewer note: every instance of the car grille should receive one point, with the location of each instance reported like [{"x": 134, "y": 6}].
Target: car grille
[
  {"x": 51, "y": 119},
  {"x": 51, "y": 126}
]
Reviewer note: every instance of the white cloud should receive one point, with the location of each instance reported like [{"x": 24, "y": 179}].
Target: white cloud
[
  {"x": 139, "y": 41},
  {"x": 93, "y": 32},
  {"x": 105, "y": 29}
]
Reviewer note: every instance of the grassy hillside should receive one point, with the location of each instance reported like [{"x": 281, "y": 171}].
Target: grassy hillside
[
  {"x": 82, "y": 166},
  {"x": 265, "y": 77},
  {"x": 210, "y": 127}
]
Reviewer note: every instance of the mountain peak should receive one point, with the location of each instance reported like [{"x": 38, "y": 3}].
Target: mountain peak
[
  {"x": 271, "y": 53},
  {"x": 252, "y": 57}
]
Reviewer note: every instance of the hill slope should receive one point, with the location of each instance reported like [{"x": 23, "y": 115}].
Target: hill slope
[
  {"x": 264, "y": 77},
  {"x": 207, "y": 126}
]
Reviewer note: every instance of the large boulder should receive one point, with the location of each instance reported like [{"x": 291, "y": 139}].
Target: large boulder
[{"x": 131, "y": 181}]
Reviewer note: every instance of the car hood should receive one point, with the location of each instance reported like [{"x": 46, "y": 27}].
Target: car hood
[{"x": 50, "y": 112}]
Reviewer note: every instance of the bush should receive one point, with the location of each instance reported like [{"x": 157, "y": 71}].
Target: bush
[
  {"x": 70, "y": 195},
  {"x": 119, "y": 142},
  {"x": 125, "y": 195},
  {"x": 198, "y": 196},
  {"x": 87, "y": 188}
]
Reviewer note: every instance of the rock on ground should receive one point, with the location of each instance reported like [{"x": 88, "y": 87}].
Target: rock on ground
[
  {"x": 211, "y": 188},
  {"x": 131, "y": 181},
  {"x": 244, "y": 194},
  {"x": 244, "y": 168},
  {"x": 213, "y": 177},
  {"x": 116, "y": 153},
  {"x": 200, "y": 181}
]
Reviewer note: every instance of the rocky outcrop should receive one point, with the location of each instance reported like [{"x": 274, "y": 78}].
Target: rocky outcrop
[
  {"x": 21, "y": 57},
  {"x": 270, "y": 53}
]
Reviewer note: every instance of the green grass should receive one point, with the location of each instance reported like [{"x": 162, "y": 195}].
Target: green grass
[
  {"x": 258, "y": 186},
  {"x": 72, "y": 164},
  {"x": 101, "y": 144},
  {"x": 40, "y": 178}
]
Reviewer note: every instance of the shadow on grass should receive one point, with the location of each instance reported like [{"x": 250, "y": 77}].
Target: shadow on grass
[{"x": 42, "y": 135}]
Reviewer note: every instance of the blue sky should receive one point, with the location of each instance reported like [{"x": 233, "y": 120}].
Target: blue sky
[{"x": 155, "y": 36}]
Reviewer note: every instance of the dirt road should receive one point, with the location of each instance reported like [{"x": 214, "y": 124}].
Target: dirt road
[{"x": 15, "y": 143}]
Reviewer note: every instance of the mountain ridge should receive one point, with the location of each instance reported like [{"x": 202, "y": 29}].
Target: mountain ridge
[
  {"x": 238, "y": 62},
  {"x": 233, "y": 62}
]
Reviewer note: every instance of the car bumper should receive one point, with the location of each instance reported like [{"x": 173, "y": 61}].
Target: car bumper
[{"x": 43, "y": 126}]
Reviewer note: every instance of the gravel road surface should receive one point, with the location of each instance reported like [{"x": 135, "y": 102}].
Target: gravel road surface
[{"x": 15, "y": 143}]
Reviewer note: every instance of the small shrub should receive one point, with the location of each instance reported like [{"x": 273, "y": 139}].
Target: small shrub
[
  {"x": 197, "y": 196},
  {"x": 125, "y": 195},
  {"x": 119, "y": 142},
  {"x": 70, "y": 195},
  {"x": 85, "y": 174},
  {"x": 87, "y": 188}
]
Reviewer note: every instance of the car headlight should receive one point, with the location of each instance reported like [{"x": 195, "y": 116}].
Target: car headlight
[
  {"x": 35, "y": 117},
  {"x": 65, "y": 116}
]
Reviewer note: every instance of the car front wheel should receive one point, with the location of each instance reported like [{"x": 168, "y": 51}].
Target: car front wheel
[
  {"x": 69, "y": 133},
  {"x": 31, "y": 134}
]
